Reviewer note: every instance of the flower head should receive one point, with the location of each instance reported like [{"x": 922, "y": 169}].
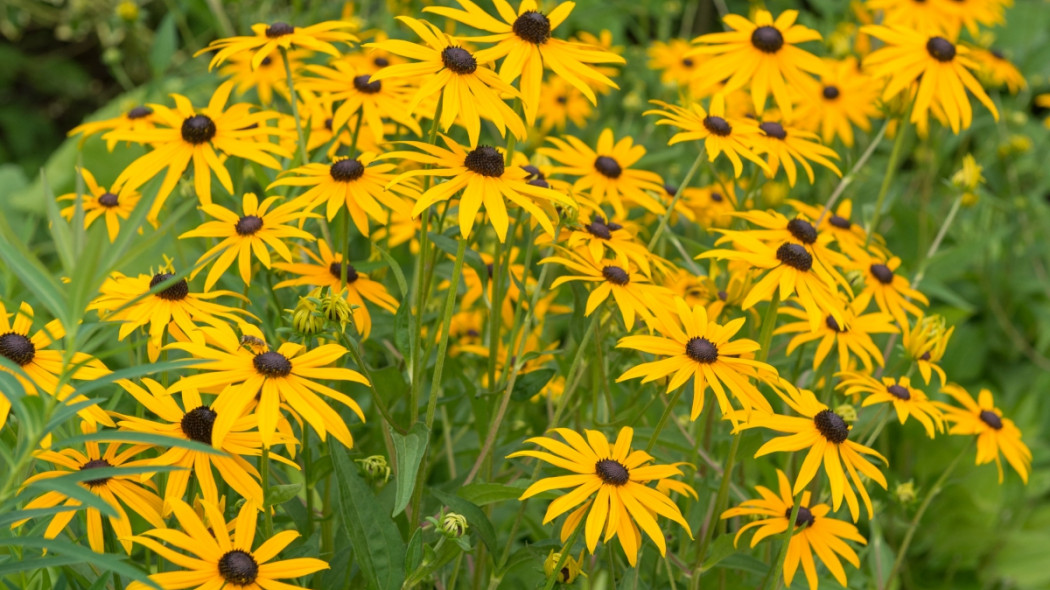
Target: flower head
[{"x": 996, "y": 435}]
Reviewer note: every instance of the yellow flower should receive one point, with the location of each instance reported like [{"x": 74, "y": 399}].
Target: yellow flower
[
  {"x": 266, "y": 78},
  {"x": 677, "y": 68},
  {"x": 268, "y": 38},
  {"x": 570, "y": 570},
  {"x": 969, "y": 176},
  {"x": 134, "y": 120},
  {"x": 995, "y": 70},
  {"x": 100, "y": 202},
  {"x": 785, "y": 145},
  {"x": 926, "y": 342},
  {"x": 560, "y": 103},
  {"x": 893, "y": 293},
  {"x": 851, "y": 336},
  {"x": 996, "y": 435},
  {"x": 906, "y": 399},
  {"x": 845, "y": 97}
]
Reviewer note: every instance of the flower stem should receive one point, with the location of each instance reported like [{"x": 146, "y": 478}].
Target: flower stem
[
  {"x": 294, "y": 100},
  {"x": 774, "y": 579},
  {"x": 566, "y": 549},
  {"x": 852, "y": 174},
  {"x": 891, "y": 171},
  {"x": 663, "y": 419},
  {"x": 720, "y": 502},
  {"x": 677, "y": 196},
  {"x": 264, "y": 471},
  {"x": 446, "y": 322}
]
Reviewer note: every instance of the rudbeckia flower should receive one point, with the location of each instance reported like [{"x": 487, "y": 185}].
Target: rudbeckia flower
[
  {"x": 260, "y": 228},
  {"x": 850, "y": 338},
  {"x": 919, "y": 15},
  {"x": 525, "y": 42},
  {"x": 704, "y": 351},
  {"x": 186, "y": 134},
  {"x": 134, "y": 120},
  {"x": 825, "y": 436},
  {"x": 844, "y": 98},
  {"x": 268, "y": 38},
  {"x": 213, "y": 558},
  {"x": 996, "y": 435},
  {"x": 906, "y": 399},
  {"x": 266, "y": 79},
  {"x": 117, "y": 491},
  {"x": 815, "y": 532},
  {"x": 849, "y": 236},
  {"x": 784, "y": 145},
  {"x": 469, "y": 90},
  {"x": 612, "y": 483},
  {"x": 289, "y": 374},
  {"x": 995, "y": 70},
  {"x": 100, "y": 202},
  {"x": 677, "y": 69},
  {"x": 600, "y": 237},
  {"x": 762, "y": 54},
  {"x": 560, "y": 104},
  {"x": 936, "y": 68},
  {"x": 925, "y": 342},
  {"x": 893, "y": 293},
  {"x": 710, "y": 205}
]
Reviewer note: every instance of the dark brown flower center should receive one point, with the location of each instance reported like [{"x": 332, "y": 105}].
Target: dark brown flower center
[
  {"x": 272, "y": 364},
  {"x": 459, "y": 60},
  {"x": 831, "y": 92},
  {"x": 266, "y": 61},
  {"x": 882, "y": 273},
  {"x": 767, "y": 39},
  {"x": 834, "y": 325},
  {"x": 17, "y": 348},
  {"x": 840, "y": 222},
  {"x": 176, "y": 292},
  {"x": 346, "y": 170},
  {"x": 198, "y": 129},
  {"x": 802, "y": 518},
  {"x": 701, "y": 350},
  {"x": 616, "y": 275},
  {"x": 773, "y": 129},
  {"x": 248, "y": 225},
  {"x": 831, "y": 426},
  {"x": 533, "y": 27},
  {"x": 238, "y": 567},
  {"x": 381, "y": 62},
  {"x": 997, "y": 54},
  {"x": 140, "y": 112},
  {"x": 108, "y": 200},
  {"x": 599, "y": 229},
  {"x": 670, "y": 189},
  {"x": 991, "y": 419},
  {"x": 717, "y": 197},
  {"x": 795, "y": 256},
  {"x": 197, "y": 423},
  {"x": 717, "y": 125},
  {"x": 279, "y": 29},
  {"x": 925, "y": 356},
  {"x": 336, "y": 270},
  {"x": 365, "y": 85},
  {"x": 485, "y": 160},
  {"x": 940, "y": 49},
  {"x": 95, "y": 464},
  {"x": 687, "y": 62},
  {"x": 802, "y": 230},
  {"x": 611, "y": 472},
  {"x": 899, "y": 392},
  {"x": 608, "y": 167}
]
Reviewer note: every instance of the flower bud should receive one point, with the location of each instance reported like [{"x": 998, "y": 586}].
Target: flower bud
[
  {"x": 570, "y": 570},
  {"x": 375, "y": 468},
  {"x": 454, "y": 525},
  {"x": 905, "y": 492},
  {"x": 847, "y": 412}
]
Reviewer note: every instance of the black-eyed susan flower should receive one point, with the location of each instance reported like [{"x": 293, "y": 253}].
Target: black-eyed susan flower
[
  {"x": 919, "y": 15},
  {"x": 266, "y": 79},
  {"x": 41, "y": 368},
  {"x": 892, "y": 292},
  {"x": 938, "y": 69},
  {"x": 571, "y": 569},
  {"x": 995, "y": 70},
  {"x": 845, "y": 97},
  {"x": 631, "y": 289},
  {"x": 326, "y": 269},
  {"x": 784, "y": 145},
  {"x": 481, "y": 284},
  {"x": 280, "y": 35},
  {"x": 710, "y": 205},
  {"x": 173, "y": 309},
  {"x": 560, "y": 104},
  {"x": 925, "y": 342},
  {"x": 611, "y": 481},
  {"x": 849, "y": 236},
  {"x": 215, "y": 555},
  {"x": 908, "y": 400},
  {"x": 291, "y": 374},
  {"x": 358, "y": 183},
  {"x": 116, "y": 491},
  {"x": 599, "y": 237},
  {"x": 484, "y": 180},
  {"x": 677, "y": 68},
  {"x": 720, "y": 133},
  {"x": 691, "y": 347},
  {"x": 852, "y": 338},
  {"x": 995, "y": 434},
  {"x": 260, "y": 228},
  {"x": 606, "y": 173},
  {"x": 825, "y": 437},
  {"x": 762, "y": 54},
  {"x": 815, "y": 532},
  {"x": 101, "y": 202},
  {"x": 469, "y": 89},
  {"x": 524, "y": 41},
  {"x": 134, "y": 120},
  {"x": 974, "y": 14},
  {"x": 185, "y": 134}
]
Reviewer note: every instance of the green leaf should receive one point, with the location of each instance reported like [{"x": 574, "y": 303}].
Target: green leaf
[
  {"x": 378, "y": 547},
  {"x": 36, "y": 563},
  {"x": 164, "y": 45},
  {"x": 146, "y": 438},
  {"x": 414, "y": 552},
  {"x": 61, "y": 233},
  {"x": 529, "y": 384},
  {"x": 475, "y": 516},
  {"x": 451, "y": 247},
  {"x": 409, "y": 449},
  {"x": 722, "y": 548},
  {"x": 399, "y": 275},
  {"x": 101, "y": 561},
  {"x": 72, "y": 489},
  {"x": 35, "y": 278},
  {"x": 403, "y": 326},
  {"x": 483, "y": 494},
  {"x": 282, "y": 493}
]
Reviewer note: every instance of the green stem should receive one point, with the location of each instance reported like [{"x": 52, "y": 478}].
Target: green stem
[
  {"x": 344, "y": 268},
  {"x": 677, "y": 196},
  {"x": 891, "y": 171},
  {"x": 774, "y": 579},
  {"x": 663, "y": 419},
  {"x": 852, "y": 174},
  {"x": 294, "y": 100},
  {"x": 769, "y": 322},
  {"x": 264, "y": 470},
  {"x": 720, "y": 501},
  {"x": 566, "y": 549},
  {"x": 446, "y": 322}
]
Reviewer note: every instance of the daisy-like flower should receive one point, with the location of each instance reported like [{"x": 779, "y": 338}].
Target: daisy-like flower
[
  {"x": 925, "y": 341},
  {"x": 762, "y": 54},
  {"x": 194, "y": 420},
  {"x": 850, "y": 338},
  {"x": 710, "y": 205},
  {"x": 938, "y": 68},
  {"x": 560, "y": 104},
  {"x": 186, "y": 134},
  {"x": 676, "y": 67},
  {"x": 481, "y": 175},
  {"x": 784, "y": 145},
  {"x": 173, "y": 309},
  {"x": 469, "y": 90},
  {"x": 974, "y": 14},
  {"x": 631, "y": 289},
  {"x": 268, "y": 38},
  {"x": 525, "y": 42},
  {"x": 599, "y": 237},
  {"x": 826, "y": 436},
  {"x": 259, "y": 229},
  {"x": 919, "y": 15},
  {"x": 906, "y": 399},
  {"x": 134, "y": 120},
  {"x": 606, "y": 173},
  {"x": 373, "y": 100},
  {"x": 612, "y": 483},
  {"x": 213, "y": 558},
  {"x": 995, "y": 70},
  {"x": 116, "y": 491},
  {"x": 815, "y": 532},
  {"x": 266, "y": 79},
  {"x": 850, "y": 237},
  {"x": 42, "y": 367},
  {"x": 719, "y": 132},
  {"x": 100, "y": 202},
  {"x": 996, "y": 435},
  {"x": 291, "y": 375},
  {"x": 844, "y": 98},
  {"x": 705, "y": 351},
  {"x": 893, "y": 293},
  {"x": 359, "y": 183},
  {"x": 478, "y": 287}
]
